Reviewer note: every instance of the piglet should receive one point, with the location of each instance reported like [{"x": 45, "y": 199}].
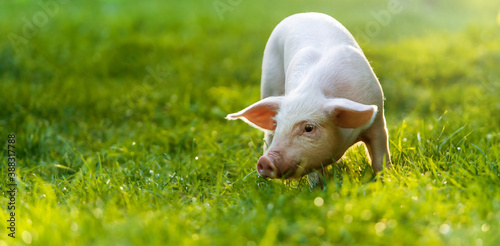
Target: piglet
[{"x": 319, "y": 96}]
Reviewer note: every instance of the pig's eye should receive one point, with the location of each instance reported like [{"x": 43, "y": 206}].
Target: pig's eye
[{"x": 309, "y": 128}]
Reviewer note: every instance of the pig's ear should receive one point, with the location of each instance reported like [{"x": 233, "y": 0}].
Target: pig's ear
[
  {"x": 349, "y": 114},
  {"x": 260, "y": 114}
]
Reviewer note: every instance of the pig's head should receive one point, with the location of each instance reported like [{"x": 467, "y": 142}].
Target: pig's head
[{"x": 308, "y": 132}]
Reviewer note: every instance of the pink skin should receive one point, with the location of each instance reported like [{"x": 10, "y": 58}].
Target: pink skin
[
  {"x": 307, "y": 147},
  {"x": 299, "y": 146},
  {"x": 319, "y": 96}
]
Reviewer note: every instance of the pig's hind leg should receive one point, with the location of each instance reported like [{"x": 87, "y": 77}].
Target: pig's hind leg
[{"x": 273, "y": 77}]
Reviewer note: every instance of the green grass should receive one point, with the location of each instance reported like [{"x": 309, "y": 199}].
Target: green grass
[{"x": 108, "y": 156}]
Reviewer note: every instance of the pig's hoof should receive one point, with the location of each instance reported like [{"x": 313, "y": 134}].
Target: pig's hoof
[{"x": 266, "y": 168}]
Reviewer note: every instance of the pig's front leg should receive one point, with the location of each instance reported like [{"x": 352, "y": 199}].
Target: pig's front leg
[
  {"x": 376, "y": 140},
  {"x": 268, "y": 139},
  {"x": 315, "y": 180}
]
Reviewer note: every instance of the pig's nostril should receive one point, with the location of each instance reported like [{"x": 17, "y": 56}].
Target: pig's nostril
[
  {"x": 266, "y": 168},
  {"x": 260, "y": 168}
]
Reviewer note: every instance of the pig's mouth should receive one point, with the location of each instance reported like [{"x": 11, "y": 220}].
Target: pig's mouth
[
  {"x": 298, "y": 170},
  {"x": 267, "y": 167},
  {"x": 292, "y": 173}
]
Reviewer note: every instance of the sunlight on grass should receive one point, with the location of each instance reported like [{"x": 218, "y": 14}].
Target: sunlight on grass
[{"x": 119, "y": 109}]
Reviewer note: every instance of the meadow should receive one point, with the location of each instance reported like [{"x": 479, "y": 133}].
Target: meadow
[{"x": 117, "y": 112}]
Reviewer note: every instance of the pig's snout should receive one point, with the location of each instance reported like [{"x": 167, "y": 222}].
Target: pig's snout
[{"x": 266, "y": 168}]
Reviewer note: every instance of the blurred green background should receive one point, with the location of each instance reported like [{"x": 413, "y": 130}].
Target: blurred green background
[{"x": 118, "y": 109}]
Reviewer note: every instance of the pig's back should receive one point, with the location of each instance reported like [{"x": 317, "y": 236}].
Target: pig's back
[
  {"x": 305, "y": 30},
  {"x": 319, "y": 53}
]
